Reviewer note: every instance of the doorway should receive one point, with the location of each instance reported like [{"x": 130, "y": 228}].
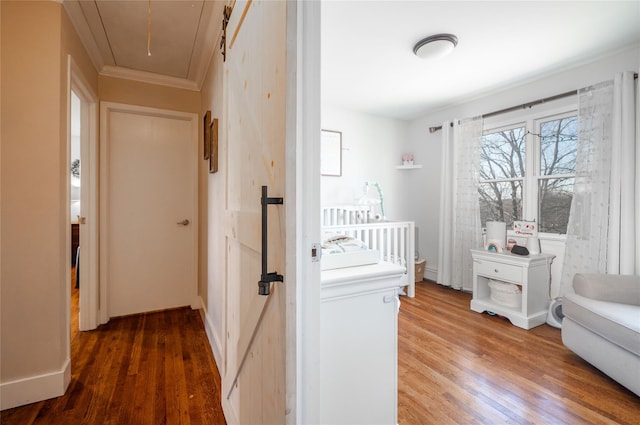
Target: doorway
[
  {"x": 74, "y": 208},
  {"x": 83, "y": 199}
]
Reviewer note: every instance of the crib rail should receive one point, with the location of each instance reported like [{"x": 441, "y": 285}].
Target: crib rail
[
  {"x": 394, "y": 240},
  {"x": 345, "y": 215}
]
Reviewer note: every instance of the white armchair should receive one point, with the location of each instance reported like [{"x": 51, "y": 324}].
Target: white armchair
[{"x": 602, "y": 325}]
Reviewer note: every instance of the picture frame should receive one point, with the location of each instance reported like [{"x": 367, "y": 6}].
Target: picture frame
[
  {"x": 206, "y": 122},
  {"x": 213, "y": 152},
  {"x": 331, "y": 153}
]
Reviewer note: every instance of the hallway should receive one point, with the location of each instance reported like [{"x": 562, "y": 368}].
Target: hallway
[{"x": 154, "y": 368}]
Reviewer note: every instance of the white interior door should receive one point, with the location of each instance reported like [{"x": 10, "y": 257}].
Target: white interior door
[
  {"x": 149, "y": 208},
  {"x": 255, "y": 98},
  {"x": 88, "y": 306}
]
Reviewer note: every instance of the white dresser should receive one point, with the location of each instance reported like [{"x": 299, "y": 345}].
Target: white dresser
[
  {"x": 359, "y": 344},
  {"x": 531, "y": 272}
]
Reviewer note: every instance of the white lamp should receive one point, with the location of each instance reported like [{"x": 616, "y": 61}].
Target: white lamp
[{"x": 435, "y": 46}]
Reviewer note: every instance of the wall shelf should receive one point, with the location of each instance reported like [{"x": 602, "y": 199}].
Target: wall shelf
[{"x": 408, "y": 167}]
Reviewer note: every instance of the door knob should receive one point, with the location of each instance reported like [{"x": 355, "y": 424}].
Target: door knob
[{"x": 184, "y": 222}]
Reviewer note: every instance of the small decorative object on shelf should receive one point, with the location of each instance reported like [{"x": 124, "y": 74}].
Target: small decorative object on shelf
[
  {"x": 496, "y": 237},
  {"x": 407, "y": 159}
]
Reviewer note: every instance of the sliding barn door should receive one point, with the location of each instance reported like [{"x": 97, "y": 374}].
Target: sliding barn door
[{"x": 254, "y": 80}]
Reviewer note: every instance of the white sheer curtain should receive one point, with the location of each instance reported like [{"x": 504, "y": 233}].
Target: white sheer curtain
[
  {"x": 603, "y": 223},
  {"x": 624, "y": 217},
  {"x": 459, "y": 209}
]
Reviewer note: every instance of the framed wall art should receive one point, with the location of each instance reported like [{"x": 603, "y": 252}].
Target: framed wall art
[
  {"x": 213, "y": 149},
  {"x": 206, "y": 133}
]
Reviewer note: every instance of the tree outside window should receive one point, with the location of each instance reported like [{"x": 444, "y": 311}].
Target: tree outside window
[
  {"x": 506, "y": 186},
  {"x": 558, "y": 143},
  {"x": 502, "y": 171}
]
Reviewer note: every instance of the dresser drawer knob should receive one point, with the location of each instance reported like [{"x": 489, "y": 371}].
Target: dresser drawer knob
[{"x": 495, "y": 270}]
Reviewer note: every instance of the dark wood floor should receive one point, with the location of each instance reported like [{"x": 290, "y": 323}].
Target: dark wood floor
[
  {"x": 154, "y": 369},
  {"x": 455, "y": 367},
  {"x": 461, "y": 367}
]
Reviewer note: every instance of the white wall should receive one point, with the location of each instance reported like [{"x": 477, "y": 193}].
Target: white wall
[
  {"x": 371, "y": 149},
  {"x": 424, "y": 207}
]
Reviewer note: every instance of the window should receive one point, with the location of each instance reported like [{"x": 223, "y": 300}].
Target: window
[
  {"x": 502, "y": 172},
  {"x": 558, "y": 141},
  {"x": 527, "y": 171}
]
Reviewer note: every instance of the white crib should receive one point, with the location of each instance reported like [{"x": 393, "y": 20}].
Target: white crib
[
  {"x": 395, "y": 240},
  {"x": 345, "y": 214}
]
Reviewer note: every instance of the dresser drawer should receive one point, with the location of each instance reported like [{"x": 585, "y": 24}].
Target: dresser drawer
[{"x": 499, "y": 271}]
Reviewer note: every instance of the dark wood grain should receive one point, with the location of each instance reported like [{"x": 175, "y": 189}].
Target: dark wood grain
[
  {"x": 461, "y": 367},
  {"x": 154, "y": 368}
]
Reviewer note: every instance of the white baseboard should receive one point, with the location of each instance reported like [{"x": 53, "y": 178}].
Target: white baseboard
[
  {"x": 212, "y": 336},
  {"x": 431, "y": 273},
  {"x": 35, "y": 388}
]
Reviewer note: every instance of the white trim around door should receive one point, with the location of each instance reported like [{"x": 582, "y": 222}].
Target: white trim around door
[
  {"x": 88, "y": 299},
  {"x": 106, "y": 109},
  {"x": 303, "y": 207}
]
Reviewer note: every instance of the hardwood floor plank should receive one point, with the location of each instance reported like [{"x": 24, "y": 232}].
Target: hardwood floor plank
[
  {"x": 154, "y": 368},
  {"x": 459, "y": 367},
  {"x": 455, "y": 366}
]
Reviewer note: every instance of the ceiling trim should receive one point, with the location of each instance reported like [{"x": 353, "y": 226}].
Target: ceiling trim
[
  {"x": 149, "y": 77},
  {"x": 207, "y": 42},
  {"x": 204, "y": 49},
  {"x": 74, "y": 10}
]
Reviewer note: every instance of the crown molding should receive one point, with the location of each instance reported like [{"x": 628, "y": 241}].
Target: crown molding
[
  {"x": 149, "y": 77},
  {"x": 85, "y": 15},
  {"x": 207, "y": 40},
  {"x": 79, "y": 22}
]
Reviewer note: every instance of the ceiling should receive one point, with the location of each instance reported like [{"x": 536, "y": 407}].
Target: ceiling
[
  {"x": 181, "y": 37},
  {"x": 367, "y": 46}
]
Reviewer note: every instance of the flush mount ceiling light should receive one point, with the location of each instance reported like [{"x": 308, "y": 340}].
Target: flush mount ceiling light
[{"x": 435, "y": 46}]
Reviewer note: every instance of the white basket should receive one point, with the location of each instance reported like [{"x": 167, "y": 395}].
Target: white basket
[
  {"x": 419, "y": 269},
  {"x": 506, "y": 294}
]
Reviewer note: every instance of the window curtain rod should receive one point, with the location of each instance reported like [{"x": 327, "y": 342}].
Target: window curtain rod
[{"x": 524, "y": 105}]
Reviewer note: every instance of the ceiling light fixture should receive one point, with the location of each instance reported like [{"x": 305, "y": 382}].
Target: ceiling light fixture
[{"x": 435, "y": 46}]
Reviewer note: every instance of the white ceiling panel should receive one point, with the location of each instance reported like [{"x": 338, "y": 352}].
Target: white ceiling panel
[
  {"x": 183, "y": 36},
  {"x": 174, "y": 25}
]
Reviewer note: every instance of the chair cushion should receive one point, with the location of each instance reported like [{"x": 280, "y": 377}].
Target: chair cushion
[
  {"x": 615, "y": 322},
  {"x": 608, "y": 287}
]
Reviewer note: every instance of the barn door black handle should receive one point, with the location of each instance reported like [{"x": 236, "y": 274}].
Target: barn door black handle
[{"x": 264, "y": 285}]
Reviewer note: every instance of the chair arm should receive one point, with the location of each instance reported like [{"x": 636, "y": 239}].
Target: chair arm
[{"x": 623, "y": 289}]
